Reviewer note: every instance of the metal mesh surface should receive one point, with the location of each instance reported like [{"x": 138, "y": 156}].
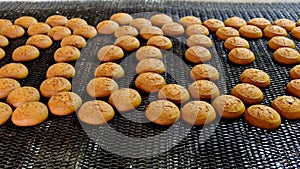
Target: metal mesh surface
[{"x": 60, "y": 142}]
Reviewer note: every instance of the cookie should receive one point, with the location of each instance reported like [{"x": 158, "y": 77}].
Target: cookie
[
  {"x": 262, "y": 23},
  {"x": 2, "y": 53},
  {"x": 236, "y": 42},
  {"x": 262, "y": 116},
  {"x": 160, "y": 42},
  {"x": 5, "y": 113},
  {"x": 75, "y": 23},
  {"x": 150, "y": 82},
  {"x": 287, "y": 106},
  {"x": 279, "y": 42},
  {"x": 256, "y": 77},
  {"x": 125, "y": 99},
  {"x": 7, "y": 85},
  {"x": 101, "y": 87},
  {"x": 251, "y": 32},
  {"x": 25, "y": 53},
  {"x": 229, "y": 107},
  {"x": 199, "y": 40},
  {"x": 204, "y": 90},
  {"x": 173, "y": 29},
  {"x": 248, "y": 93},
  {"x": 38, "y": 28},
  {"x": 54, "y": 85},
  {"x": 287, "y": 56},
  {"x": 110, "y": 53},
  {"x": 140, "y": 23},
  {"x": 295, "y": 72},
  {"x": 287, "y": 24},
  {"x": 241, "y": 56},
  {"x": 13, "y": 31},
  {"x": 61, "y": 70},
  {"x": 40, "y": 41},
  {"x": 22, "y": 95},
  {"x": 86, "y": 31},
  {"x": 126, "y": 30},
  {"x": 162, "y": 112},
  {"x": 3, "y": 41},
  {"x": 110, "y": 70},
  {"x": 196, "y": 29},
  {"x": 59, "y": 32},
  {"x": 66, "y": 54},
  {"x": 4, "y": 23},
  {"x": 213, "y": 24},
  {"x": 293, "y": 87},
  {"x": 14, "y": 70},
  {"x": 56, "y": 20},
  {"x": 146, "y": 52},
  {"x": 197, "y": 54},
  {"x": 204, "y": 72},
  {"x": 96, "y": 112},
  {"x": 298, "y": 23},
  {"x": 274, "y": 30},
  {"x": 296, "y": 32},
  {"x": 25, "y": 21},
  {"x": 64, "y": 103},
  {"x": 189, "y": 20},
  {"x": 150, "y": 65},
  {"x": 227, "y": 32},
  {"x": 127, "y": 43},
  {"x": 174, "y": 93},
  {"x": 30, "y": 114},
  {"x": 121, "y": 18},
  {"x": 150, "y": 31},
  {"x": 107, "y": 27},
  {"x": 235, "y": 22},
  {"x": 160, "y": 19},
  {"x": 73, "y": 40}
]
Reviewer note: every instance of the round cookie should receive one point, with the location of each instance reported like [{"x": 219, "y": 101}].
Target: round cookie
[
  {"x": 22, "y": 95},
  {"x": 150, "y": 82},
  {"x": 38, "y": 28},
  {"x": 64, "y": 103},
  {"x": 7, "y": 85},
  {"x": 73, "y": 40},
  {"x": 293, "y": 87},
  {"x": 197, "y": 54},
  {"x": 3, "y": 41},
  {"x": 86, "y": 31},
  {"x": 279, "y": 42},
  {"x": 25, "y": 21},
  {"x": 236, "y": 42},
  {"x": 25, "y": 53},
  {"x": 248, "y": 93},
  {"x": 199, "y": 40},
  {"x": 110, "y": 53},
  {"x": 227, "y": 32},
  {"x": 235, "y": 22},
  {"x": 189, "y": 20},
  {"x": 150, "y": 31},
  {"x": 14, "y": 70},
  {"x": 160, "y": 19},
  {"x": 213, "y": 24},
  {"x": 66, "y": 54},
  {"x": 241, "y": 56},
  {"x": 229, "y": 107},
  {"x": 30, "y": 114},
  {"x": 101, "y": 87},
  {"x": 262, "y": 116},
  {"x": 2, "y": 53},
  {"x": 5, "y": 113},
  {"x": 121, "y": 18},
  {"x": 274, "y": 30},
  {"x": 13, "y": 31},
  {"x": 125, "y": 99},
  {"x": 127, "y": 42},
  {"x": 59, "y": 32},
  {"x": 126, "y": 30},
  {"x": 150, "y": 65},
  {"x": 251, "y": 32},
  {"x": 4, "y": 23},
  {"x": 56, "y": 20},
  {"x": 54, "y": 85},
  {"x": 174, "y": 93},
  {"x": 140, "y": 23},
  {"x": 146, "y": 52},
  {"x": 107, "y": 27},
  {"x": 256, "y": 77},
  {"x": 262, "y": 23},
  {"x": 75, "y": 23},
  {"x": 287, "y": 24},
  {"x": 204, "y": 72},
  {"x": 198, "y": 113},
  {"x": 296, "y": 32},
  {"x": 295, "y": 72},
  {"x": 162, "y": 112},
  {"x": 96, "y": 112},
  {"x": 204, "y": 89},
  {"x": 40, "y": 41},
  {"x": 173, "y": 29},
  {"x": 287, "y": 106},
  {"x": 61, "y": 70},
  {"x": 298, "y": 23},
  {"x": 109, "y": 69},
  {"x": 287, "y": 56},
  {"x": 196, "y": 29},
  {"x": 160, "y": 42}
]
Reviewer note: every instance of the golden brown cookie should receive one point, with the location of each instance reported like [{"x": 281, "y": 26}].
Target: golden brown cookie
[
  {"x": 101, "y": 87},
  {"x": 40, "y": 41},
  {"x": 279, "y": 42},
  {"x": 126, "y": 30},
  {"x": 189, "y": 20},
  {"x": 173, "y": 29},
  {"x": 66, "y": 54},
  {"x": 96, "y": 112},
  {"x": 160, "y": 42},
  {"x": 293, "y": 87},
  {"x": 251, "y": 32},
  {"x": 235, "y": 22},
  {"x": 204, "y": 89},
  {"x": 13, "y": 31},
  {"x": 86, "y": 31},
  {"x": 64, "y": 103},
  {"x": 162, "y": 112},
  {"x": 196, "y": 29},
  {"x": 5, "y": 113},
  {"x": 127, "y": 42},
  {"x": 227, "y": 32},
  {"x": 149, "y": 31},
  {"x": 298, "y": 23},
  {"x": 150, "y": 65},
  {"x": 228, "y": 106},
  {"x": 7, "y": 85},
  {"x": 198, "y": 113},
  {"x": 38, "y": 28},
  {"x": 125, "y": 99},
  {"x": 146, "y": 52},
  {"x": 174, "y": 93},
  {"x": 295, "y": 72},
  {"x": 199, "y": 40},
  {"x": 197, "y": 54},
  {"x": 109, "y": 69},
  {"x": 110, "y": 53},
  {"x": 241, "y": 56},
  {"x": 56, "y": 20},
  {"x": 236, "y": 42},
  {"x": 25, "y": 53},
  {"x": 150, "y": 82},
  {"x": 140, "y": 23},
  {"x": 274, "y": 30},
  {"x": 2, "y": 53},
  {"x": 75, "y": 23},
  {"x": 25, "y": 21},
  {"x": 30, "y": 114},
  {"x": 213, "y": 24},
  {"x": 121, "y": 18},
  {"x": 14, "y": 70},
  {"x": 61, "y": 70},
  {"x": 287, "y": 24},
  {"x": 160, "y": 19},
  {"x": 73, "y": 40},
  {"x": 3, "y": 41},
  {"x": 256, "y": 77},
  {"x": 287, "y": 106},
  {"x": 248, "y": 93},
  {"x": 204, "y": 72},
  {"x": 262, "y": 23},
  {"x": 54, "y": 85},
  {"x": 296, "y": 32},
  {"x": 107, "y": 27},
  {"x": 262, "y": 116},
  {"x": 59, "y": 32},
  {"x": 22, "y": 95},
  {"x": 287, "y": 56},
  {"x": 4, "y": 23}
]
